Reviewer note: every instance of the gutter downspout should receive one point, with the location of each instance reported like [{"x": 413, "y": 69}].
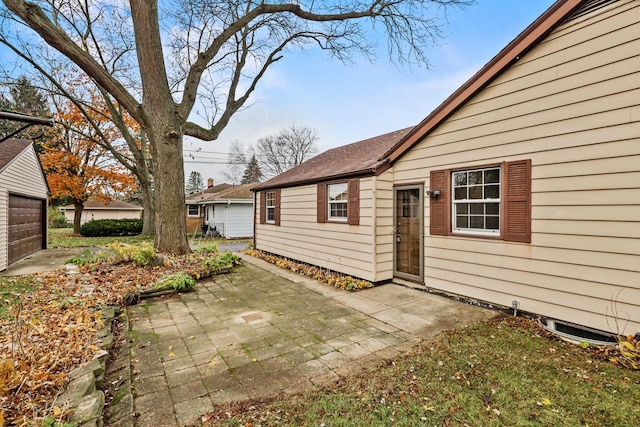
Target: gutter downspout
[{"x": 255, "y": 207}]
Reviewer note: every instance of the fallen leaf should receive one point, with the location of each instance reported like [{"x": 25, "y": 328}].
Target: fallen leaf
[
  {"x": 192, "y": 337},
  {"x": 213, "y": 363},
  {"x": 543, "y": 402},
  {"x": 172, "y": 354}
]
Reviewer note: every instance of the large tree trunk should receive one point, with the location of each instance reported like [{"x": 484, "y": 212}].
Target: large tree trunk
[
  {"x": 148, "y": 214},
  {"x": 78, "y": 207},
  {"x": 164, "y": 126},
  {"x": 170, "y": 217}
]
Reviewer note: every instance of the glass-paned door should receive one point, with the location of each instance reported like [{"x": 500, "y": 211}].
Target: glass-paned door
[{"x": 408, "y": 233}]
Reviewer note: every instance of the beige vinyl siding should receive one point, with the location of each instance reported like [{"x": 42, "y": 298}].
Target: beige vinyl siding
[
  {"x": 96, "y": 214},
  {"x": 21, "y": 176},
  {"x": 572, "y": 106},
  {"x": 336, "y": 246},
  {"x": 384, "y": 231}
]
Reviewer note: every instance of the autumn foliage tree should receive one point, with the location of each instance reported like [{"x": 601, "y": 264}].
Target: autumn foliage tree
[
  {"x": 212, "y": 54},
  {"x": 76, "y": 166}
]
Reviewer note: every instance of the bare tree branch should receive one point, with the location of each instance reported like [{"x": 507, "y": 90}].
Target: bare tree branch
[{"x": 33, "y": 15}]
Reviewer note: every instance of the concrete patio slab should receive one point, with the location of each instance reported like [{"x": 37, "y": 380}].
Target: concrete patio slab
[
  {"x": 42, "y": 261},
  {"x": 260, "y": 331}
]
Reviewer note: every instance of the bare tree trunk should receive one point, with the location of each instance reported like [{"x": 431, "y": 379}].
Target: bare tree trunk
[
  {"x": 164, "y": 126},
  {"x": 78, "y": 206},
  {"x": 148, "y": 214},
  {"x": 170, "y": 218}
]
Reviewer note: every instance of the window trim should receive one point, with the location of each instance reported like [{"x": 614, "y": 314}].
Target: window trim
[
  {"x": 276, "y": 207},
  {"x": 353, "y": 202},
  {"x": 331, "y": 218},
  {"x": 270, "y": 208},
  {"x": 189, "y": 211},
  {"x": 469, "y": 231},
  {"x": 515, "y": 202}
]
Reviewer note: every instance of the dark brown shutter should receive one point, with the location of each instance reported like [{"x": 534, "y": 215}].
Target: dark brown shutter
[
  {"x": 263, "y": 207},
  {"x": 322, "y": 202},
  {"x": 438, "y": 218},
  {"x": 277, "y": 207},
  {"x": 353, "y": 207},
  {"x": 517, "y": 201}
]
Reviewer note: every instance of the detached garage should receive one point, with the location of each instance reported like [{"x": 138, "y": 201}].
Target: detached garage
[{"x": 23, "y": 202}]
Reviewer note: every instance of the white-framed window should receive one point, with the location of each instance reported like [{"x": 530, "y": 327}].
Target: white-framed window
[
  {"x": 338, "y": 201},
  {"x": 270, "y": 203},
  {"x": 193, "y": 210},
  {"x": 476, "y": 201}
]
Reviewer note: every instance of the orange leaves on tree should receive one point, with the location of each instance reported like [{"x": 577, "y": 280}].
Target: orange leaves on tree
[{"x": 74, "y": 158}]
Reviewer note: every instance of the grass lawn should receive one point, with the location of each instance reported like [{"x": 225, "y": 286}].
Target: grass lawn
[
  {"x": 64, "y": 238},
  {"x": 10, "y": 290},
  {"x": 505, "y": 372}
]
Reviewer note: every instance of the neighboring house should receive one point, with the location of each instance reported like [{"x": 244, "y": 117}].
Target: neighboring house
[
  {"x": 522, "y": 188},
  {"x": 194, "y": 213},
  {"x": 227, "y": 213},
  {"x": 114, "y": 209},
  {"x": 23, "y": 202}
]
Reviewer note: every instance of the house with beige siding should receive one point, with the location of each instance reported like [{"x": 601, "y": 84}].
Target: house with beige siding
[
  {"x": 521, "y": 189},
  {"x": 95, "y": 210},
  {"x": 23, "y": 202}
]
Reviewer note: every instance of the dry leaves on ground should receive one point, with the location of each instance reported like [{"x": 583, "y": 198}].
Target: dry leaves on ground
[
  {"x": 330, "y": 277},
  {"x": 53, "y": 328}
]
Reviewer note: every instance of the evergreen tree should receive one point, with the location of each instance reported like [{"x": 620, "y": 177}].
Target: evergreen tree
[
  {"x": 23, "y": 98},
  {"x": 194, "y": 183},
  {"x": 252, "y": 173}
]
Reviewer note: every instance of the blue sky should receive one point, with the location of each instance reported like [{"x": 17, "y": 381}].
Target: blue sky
[{"x": 348, "y": 103}]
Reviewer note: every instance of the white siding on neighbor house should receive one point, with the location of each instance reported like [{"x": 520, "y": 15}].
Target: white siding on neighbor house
[
  {"x": 95, "y": 214},
  {"x": 336, "y": 246},
  {"x": 572, "y": 106},
  {"x": 21, "y": 176},
  {"x": 236, "y": 219}
]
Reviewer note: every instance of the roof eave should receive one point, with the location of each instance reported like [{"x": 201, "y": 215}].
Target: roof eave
[
  {"x": 526, "y": 40},
  {"x": 352, "y": 174}
]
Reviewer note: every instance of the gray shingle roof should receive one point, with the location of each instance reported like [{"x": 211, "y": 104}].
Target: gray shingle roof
[
  {"x": 360, "y": 158},
  {"x": 237, "y": 192}
]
